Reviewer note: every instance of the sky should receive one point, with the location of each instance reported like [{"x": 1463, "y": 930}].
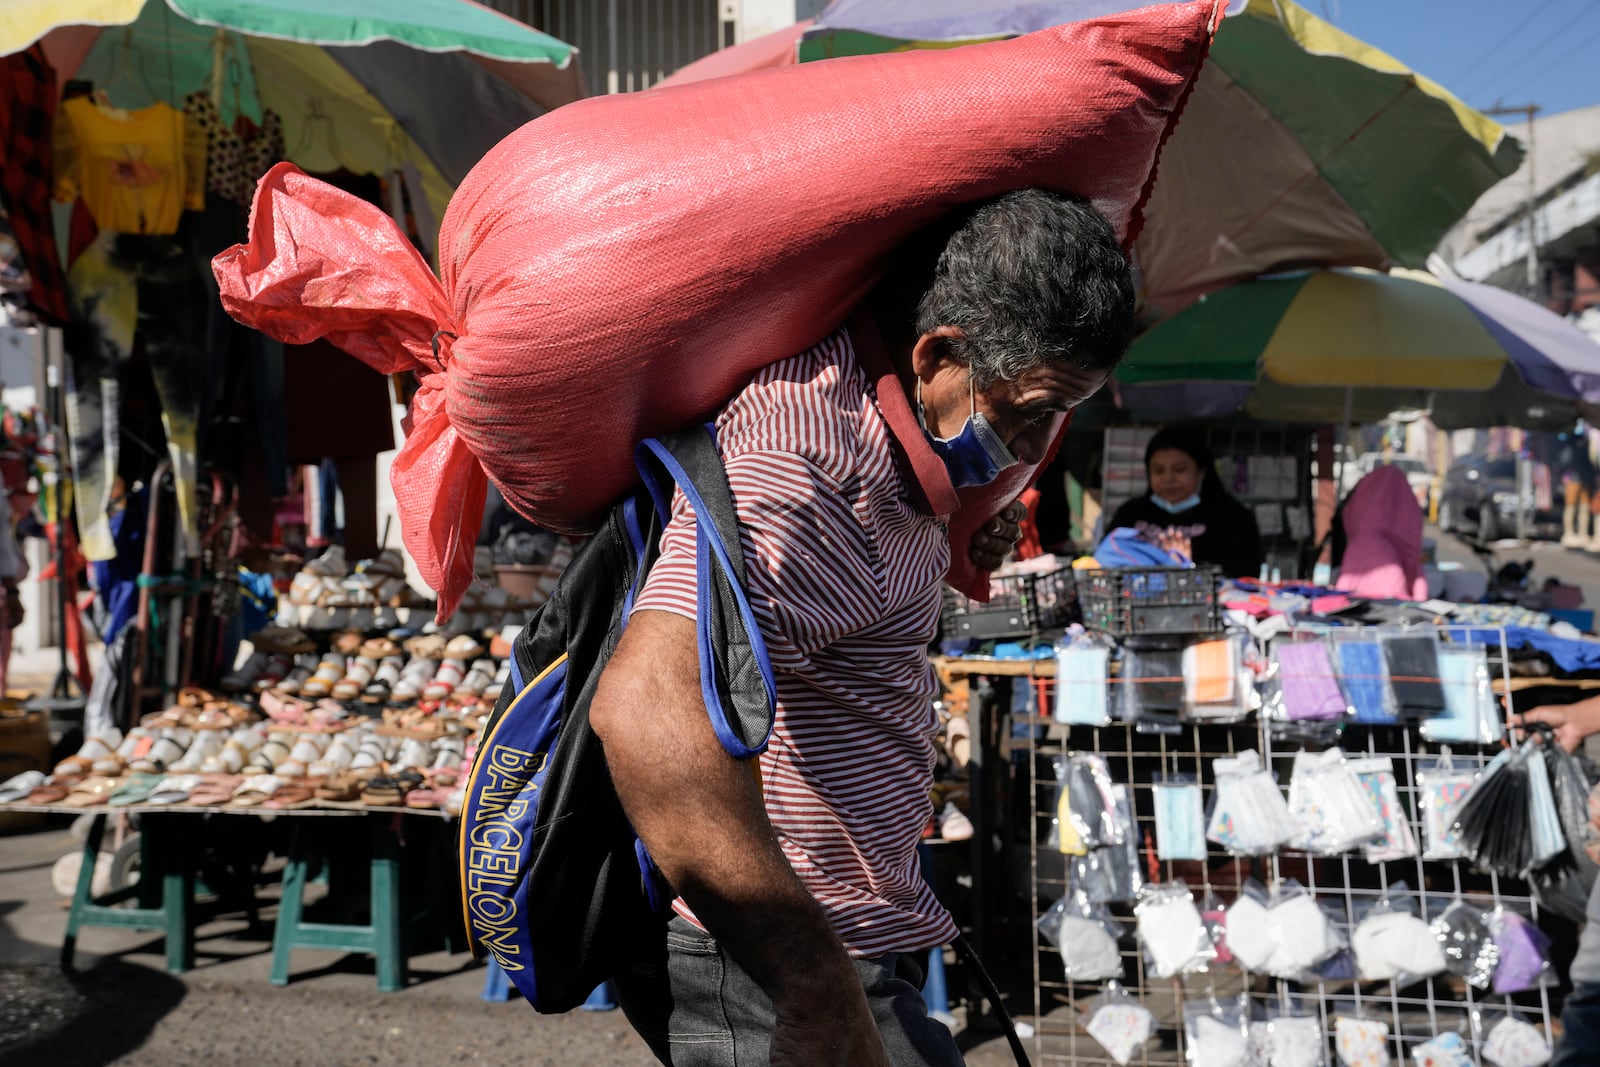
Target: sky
[{"x": 1487, "y": 52}]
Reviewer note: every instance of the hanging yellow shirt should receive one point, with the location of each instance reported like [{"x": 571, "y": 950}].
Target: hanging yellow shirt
[{"x": 135, "y": 170}]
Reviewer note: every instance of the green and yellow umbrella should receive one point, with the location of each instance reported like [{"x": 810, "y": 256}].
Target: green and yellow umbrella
[
  {"x": 1352, "y": 345},
  {"x": 1300, "y": 146}
]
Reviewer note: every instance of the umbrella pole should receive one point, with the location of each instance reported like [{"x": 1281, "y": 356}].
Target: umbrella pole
[{"x": 1349, "y": 417}]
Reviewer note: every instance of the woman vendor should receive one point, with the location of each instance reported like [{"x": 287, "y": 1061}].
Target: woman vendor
[{"x": 1187, "y": 510}]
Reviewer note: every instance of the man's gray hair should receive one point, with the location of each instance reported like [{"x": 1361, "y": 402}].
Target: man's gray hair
[{"x": 1031, "y": 277}]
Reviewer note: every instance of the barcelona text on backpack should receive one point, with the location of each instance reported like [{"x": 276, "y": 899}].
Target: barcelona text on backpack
[{"x": 556, "y": 885}]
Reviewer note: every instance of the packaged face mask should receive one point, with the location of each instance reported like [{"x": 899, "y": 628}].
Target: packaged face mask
[
  {"x": 1122, "y": 1027},
  {"x": 1442, "y": 790},
  {"x": 1308, "y": 680},
  {"x": 1081, "y": 685},
  {"x": 1413, "y": 662},
  {"x": 1215, "y": 1036},
  {"x": 1361, "y": 1042},
  {"x": 1446, "y": 1050},
  {"x": 1471, "y": 714},
  {"x": 1172, "y": 931},
  {"x": 1364, "y": 674},
  {"x": 1514, "y": 1043},
  {"x": 1468, "y": 944},
  {"x": 1524, "y": 952},
  {"x": 1296, "y": 1041},
  {"x": 1085, "y": 935},
  {"x": 1112, "y": 872},
  {"x": 1389, "y": 943},
  {"x": 1152, "y": 688},
  {"x": 1333, "y": 811},
  {"x": 1180, "y": 821},
  {"x": 1249, "y": 816},
  {"x": 1396, "y": 841},
  {"x": 1210, "y": 676}
]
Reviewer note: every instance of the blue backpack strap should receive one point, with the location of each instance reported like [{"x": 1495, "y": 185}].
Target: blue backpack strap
[{"x": 736, "y": 679}]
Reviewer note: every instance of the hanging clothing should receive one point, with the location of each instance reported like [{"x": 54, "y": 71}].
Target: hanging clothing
[
  {"x": 136, "y": 171},
  {"x": 27, "y": 173},
  {"x": 1383, "y": 539},
  {"x": 125, "y": 285},
  {"x": 237, "y": 155}
]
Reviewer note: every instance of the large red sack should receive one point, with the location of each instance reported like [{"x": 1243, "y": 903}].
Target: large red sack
[{"x": 622, "y": 265}]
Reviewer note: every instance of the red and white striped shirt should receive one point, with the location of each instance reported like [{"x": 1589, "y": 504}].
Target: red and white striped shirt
[{"x": 845, "y": 556}]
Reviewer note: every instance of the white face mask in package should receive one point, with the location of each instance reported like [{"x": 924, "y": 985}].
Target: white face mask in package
[
  {"x": 1172, "y": 930},
  {"x": 1333, "y": 809},
  {"x": 1285, "y": 936},
  {"x": 1215, "y": 1036},
  {"x": 1514, "y": 1043},
  {"x": 1361, "y": 1042},
  {"x": 1446, "y": 1050},
  {"x": 1391, "y": 943},
  {"x": 1121, "y": 1026},
  {"x": 1249, "y": 816}
]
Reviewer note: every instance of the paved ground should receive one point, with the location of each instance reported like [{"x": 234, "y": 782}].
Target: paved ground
[{"x": 122, "y": 1007}]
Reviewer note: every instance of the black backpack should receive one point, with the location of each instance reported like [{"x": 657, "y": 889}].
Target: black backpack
[{"x": 555, "y": 884}]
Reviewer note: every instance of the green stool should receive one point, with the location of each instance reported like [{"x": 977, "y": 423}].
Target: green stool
[
  {"x": 380, "y": 938},
  {"x": 163, "y": 893}
]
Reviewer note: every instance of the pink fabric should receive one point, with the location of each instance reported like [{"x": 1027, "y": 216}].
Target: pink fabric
[
  {"x": 1383, "y": 530},
  {"x": 620, "y": 267}
]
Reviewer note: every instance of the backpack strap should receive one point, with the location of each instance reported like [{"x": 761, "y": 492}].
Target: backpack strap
[{"x": 736, "y": 678}]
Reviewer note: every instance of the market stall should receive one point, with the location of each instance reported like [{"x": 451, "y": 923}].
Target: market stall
[{"x": 1276, "y": 818}]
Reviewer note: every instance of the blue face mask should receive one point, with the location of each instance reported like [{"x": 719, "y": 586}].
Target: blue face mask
[
  {"x": 1190, "y": 501},
  {"x": 976, "y": 455}
]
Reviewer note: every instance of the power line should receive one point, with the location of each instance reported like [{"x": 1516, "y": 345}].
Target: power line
[
  {"x": 1505, "y": 39},
  {"x": 1499, "y": 72},
  {"x": 1564, "y": 56}
]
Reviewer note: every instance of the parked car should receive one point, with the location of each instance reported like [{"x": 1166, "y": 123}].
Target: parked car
[{"x": 1481, "y": 498}]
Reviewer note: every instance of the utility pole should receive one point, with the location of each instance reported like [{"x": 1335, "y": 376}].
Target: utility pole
[
  {"x": 1534, "y": 293},
  {"x": 1531, "y": 201}
]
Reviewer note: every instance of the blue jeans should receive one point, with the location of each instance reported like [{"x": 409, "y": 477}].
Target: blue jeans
[
  {"x": 1580, "y": 1022},
  {"x": 695, "y": 1007}
]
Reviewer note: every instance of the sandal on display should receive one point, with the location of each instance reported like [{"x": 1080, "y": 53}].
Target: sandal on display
[
  {"x": 383, "y": 681},
  {"x": 52, "y": 791},
  {"x": 379, "y": 648},
  {"x": 382, "y": 791},
  {"x": 463, "y": 647},
  {"x": 340, "y": 787},
  {"x": 328, "y": 674},
  {"x": 451, "y": 672},
  {"x": 265, "y": 759},
  {"x": 91, "y": 792},
  {"x": 19, "y": 786},
  {"x": 244, "y": 676},
  {"x": 174, "y": 789},
  {"x": 256, "y": 790},
  {"x": 356, "y": 678},
  {"x": 93, "y": 748},
  {"x": 293, "y": 795},
  {"x": 134, "y": 789},
  {"x": 417, "y": 673},
  {"x": 214, "y": 792},
  {"x": 295, "y": 680},
  {"x": 426, "y": 646},
  {"x": 162, "y": 754}
]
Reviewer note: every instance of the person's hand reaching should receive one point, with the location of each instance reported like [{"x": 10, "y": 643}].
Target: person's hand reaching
[
  {"x": 1174, "y": 540},
  {"x": 993, "y": 543},
  {"x": 1571, "y": 722}
]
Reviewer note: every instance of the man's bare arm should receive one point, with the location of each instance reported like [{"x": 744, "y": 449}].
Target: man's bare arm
[{"x": 701, "y": 815}]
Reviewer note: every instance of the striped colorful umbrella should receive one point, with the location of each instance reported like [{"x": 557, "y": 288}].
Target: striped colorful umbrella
[
  {"x": 1352, "y": 345},
  {"x": 358, "y": 83},
  {"x": 1301, "y": 146}
]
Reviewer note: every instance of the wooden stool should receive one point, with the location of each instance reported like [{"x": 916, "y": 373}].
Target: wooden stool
[
  {"x": 164, "y": 891},
  {"x": 381, "y": 937}
]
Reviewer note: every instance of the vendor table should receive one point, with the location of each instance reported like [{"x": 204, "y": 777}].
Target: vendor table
[{"x": 164, "y": 895}]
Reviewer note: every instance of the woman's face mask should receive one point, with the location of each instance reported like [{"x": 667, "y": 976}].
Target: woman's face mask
[{"x": 976, "y": 455}]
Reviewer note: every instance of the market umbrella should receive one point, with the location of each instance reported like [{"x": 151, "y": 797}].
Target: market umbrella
[
  {"x": 367, "y": 86},
  {"x": 1301, "y": 145},
  {"x": 1352, "y": 345}
]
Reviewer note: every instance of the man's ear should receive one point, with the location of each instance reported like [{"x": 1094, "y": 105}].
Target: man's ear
[{"x": 932, "y": 352}]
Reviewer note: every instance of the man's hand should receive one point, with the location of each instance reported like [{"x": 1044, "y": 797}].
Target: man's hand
[
  {"x": 994, "y": 542},
  {"x": 1571, "y": 722}
]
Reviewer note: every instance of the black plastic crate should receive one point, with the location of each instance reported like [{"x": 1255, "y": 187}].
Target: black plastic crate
[
  {"x": 1020, "y": 605},
  {"x": 1150, "y": 600}
]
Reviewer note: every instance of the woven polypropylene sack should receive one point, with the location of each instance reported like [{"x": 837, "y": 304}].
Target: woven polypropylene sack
[{"x": 619, "y": 267}]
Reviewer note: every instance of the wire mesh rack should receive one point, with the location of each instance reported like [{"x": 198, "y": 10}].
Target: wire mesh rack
[{"x": 1414, "y": 1013}]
